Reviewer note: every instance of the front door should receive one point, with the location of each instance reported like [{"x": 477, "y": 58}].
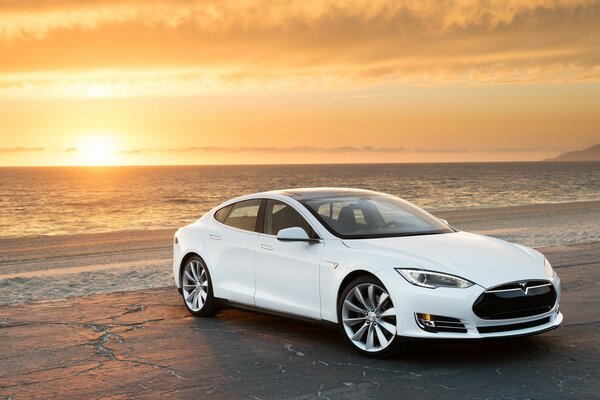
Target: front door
[{"x": 287, "y": 273}]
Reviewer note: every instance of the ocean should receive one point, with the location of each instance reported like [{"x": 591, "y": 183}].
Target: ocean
[{"x": 72, "y": 200}]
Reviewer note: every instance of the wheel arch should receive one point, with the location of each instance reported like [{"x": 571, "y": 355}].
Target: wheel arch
[
  {"x": 349, "y": 278},
  {"x": 184, "y": 260},
  {"x": 187, "y": 256}
]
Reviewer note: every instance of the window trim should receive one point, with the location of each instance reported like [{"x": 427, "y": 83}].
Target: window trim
[{"x": 259, "y": 227}]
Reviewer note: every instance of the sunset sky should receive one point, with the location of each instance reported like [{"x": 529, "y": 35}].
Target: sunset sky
[{"x": 95, "y": 82}]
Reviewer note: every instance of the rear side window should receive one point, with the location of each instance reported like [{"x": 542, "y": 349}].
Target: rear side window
[
  {"x": 243, "y": 215},
  {"x": 221, "y": 214}
]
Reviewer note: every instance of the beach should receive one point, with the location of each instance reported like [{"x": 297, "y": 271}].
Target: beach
[{"x": 61, "y": 266}]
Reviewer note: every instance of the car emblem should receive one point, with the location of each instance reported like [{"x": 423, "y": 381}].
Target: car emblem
[
  {"x": 332, "y": 263},
  {"x": 523, "y": 286}
]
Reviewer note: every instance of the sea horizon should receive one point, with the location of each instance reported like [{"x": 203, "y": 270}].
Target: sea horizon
[
  {"x": 61, "y": 200},
  {"x": 303, "y": 164}
]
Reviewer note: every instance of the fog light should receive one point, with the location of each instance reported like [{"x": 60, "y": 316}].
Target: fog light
[
  {"x": 426, "y": 321},
  {"x": 440, "y": 323}
]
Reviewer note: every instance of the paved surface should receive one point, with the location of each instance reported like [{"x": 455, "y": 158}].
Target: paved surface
[{"x": 144, "y": 344}]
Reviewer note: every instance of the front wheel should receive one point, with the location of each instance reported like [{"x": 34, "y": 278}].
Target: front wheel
[
  {"x": 196, "y": 288},
  {"x": 367, "y": 317}
]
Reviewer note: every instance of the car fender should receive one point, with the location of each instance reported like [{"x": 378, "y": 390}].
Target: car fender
[
  {"x": 189, "y": 241},
  {"x": 338, "y": 264}
]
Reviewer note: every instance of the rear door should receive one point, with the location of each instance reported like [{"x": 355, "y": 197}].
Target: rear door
[{"x": 230, "y": 242}]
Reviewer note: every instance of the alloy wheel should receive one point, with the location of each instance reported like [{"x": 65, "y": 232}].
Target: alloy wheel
[
  {"x": 369, "y": 317},
  {"x": 195, "y": 285}
]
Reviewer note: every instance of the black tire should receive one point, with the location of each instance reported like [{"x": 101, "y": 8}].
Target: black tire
[
  {"x": 209, "y": 306},
  {"x": 394, "y": 340}
]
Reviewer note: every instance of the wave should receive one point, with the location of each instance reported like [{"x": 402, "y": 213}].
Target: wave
[
  {"x": 178, "y": 200},
  {"x": 95, "y": 203}
]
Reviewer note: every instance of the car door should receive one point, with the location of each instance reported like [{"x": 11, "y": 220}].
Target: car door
[
  {"x": 230, "y": 243},
  {"x": 287, "y": 273}
]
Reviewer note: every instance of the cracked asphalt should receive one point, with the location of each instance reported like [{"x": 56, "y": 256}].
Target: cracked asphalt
[{"x": 144, "y": 345}]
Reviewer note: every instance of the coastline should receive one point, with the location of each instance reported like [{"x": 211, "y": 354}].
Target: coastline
[{"x": 55, "y": 267}]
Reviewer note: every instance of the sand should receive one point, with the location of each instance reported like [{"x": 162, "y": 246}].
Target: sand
[
  {"x": 533, "y": 225},
  {"x": 55, "y": 267}
]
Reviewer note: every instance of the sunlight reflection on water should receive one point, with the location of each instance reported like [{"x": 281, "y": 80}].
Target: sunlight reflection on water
[{"x": 50, "y": 201}]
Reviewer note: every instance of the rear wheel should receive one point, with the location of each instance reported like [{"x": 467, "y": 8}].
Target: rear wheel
[
  {"x": 367, "y": 317},
  {"x": 196, "y": 288}
]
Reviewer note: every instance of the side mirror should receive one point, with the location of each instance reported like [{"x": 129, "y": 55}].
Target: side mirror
[
  {"x": 444, "y": 221},
  {"x": 294, "y": 234}
]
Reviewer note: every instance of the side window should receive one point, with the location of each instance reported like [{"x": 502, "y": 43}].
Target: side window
[
  {"x": 279, "y": 215},
  {"x": 221, "y": 214},
  {"x": 243, "y": 215}
]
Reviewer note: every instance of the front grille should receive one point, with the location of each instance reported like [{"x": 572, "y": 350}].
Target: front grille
[
  {"x": 516, "y": 300},
  {"x": 512, "y": 327}
]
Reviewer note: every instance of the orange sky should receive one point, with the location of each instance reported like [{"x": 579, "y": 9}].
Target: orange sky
[{"x": 184, "y": 82}]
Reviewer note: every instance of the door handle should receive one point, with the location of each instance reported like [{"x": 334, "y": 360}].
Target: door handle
[
  {"x": 266, "y": 247},
  {"x": 215, "y": 237}
]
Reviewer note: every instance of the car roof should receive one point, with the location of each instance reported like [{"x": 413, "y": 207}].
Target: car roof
[{"x": 322, "y": 192}]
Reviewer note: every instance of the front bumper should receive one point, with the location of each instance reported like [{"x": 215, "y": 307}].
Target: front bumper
[{"x": 458, "y": 304}]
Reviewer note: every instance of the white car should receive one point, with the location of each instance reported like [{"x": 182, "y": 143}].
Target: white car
[{"x": 378, "y": 266}]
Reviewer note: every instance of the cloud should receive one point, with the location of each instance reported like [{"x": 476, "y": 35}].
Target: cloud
[
  {"x": 258, "y": 149},
  {"x": 20, "y": 149},
  {"x": 155, "y": 48},
  {"x": 333, "y": 150},
  {"x": 535, "y": 149},
  {"x": 28, "y": 19},
  {"x": 305, "y": 149}
]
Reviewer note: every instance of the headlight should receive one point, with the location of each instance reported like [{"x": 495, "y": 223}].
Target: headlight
[
  {"x": 549, "y": 270},
  {"x": 432, "y": 280}
]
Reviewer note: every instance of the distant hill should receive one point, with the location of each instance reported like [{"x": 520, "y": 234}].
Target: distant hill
[{"x": 589, "y": 154}]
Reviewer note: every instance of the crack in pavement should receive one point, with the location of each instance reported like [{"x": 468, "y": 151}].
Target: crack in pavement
[
  {"x": 101, "y": 343},
  {"x": 106, "y": 335}
]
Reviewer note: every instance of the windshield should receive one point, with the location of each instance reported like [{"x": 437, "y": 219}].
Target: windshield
[{"x": 361, "y": 217}]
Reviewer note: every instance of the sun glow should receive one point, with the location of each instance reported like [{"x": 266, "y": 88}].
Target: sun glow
[
  {"x": 96, "y": 150},
  {"x": 96, "y": 90}
]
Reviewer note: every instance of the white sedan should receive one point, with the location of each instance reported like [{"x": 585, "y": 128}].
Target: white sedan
[{"x": 376, "y": 265}]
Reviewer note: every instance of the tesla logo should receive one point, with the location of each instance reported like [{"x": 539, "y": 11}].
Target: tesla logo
[{"x": 523, "y": 286}]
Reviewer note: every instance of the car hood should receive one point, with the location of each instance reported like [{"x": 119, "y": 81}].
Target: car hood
[{"x": 481, "y": 259}]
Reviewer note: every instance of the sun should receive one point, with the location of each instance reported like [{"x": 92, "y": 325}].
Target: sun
[
  {"x": 96, "y": 90},
  {"x": 97, "y": 150}
]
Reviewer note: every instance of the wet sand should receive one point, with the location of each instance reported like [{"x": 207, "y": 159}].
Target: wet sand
[{"x": 144, "y": 344}]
